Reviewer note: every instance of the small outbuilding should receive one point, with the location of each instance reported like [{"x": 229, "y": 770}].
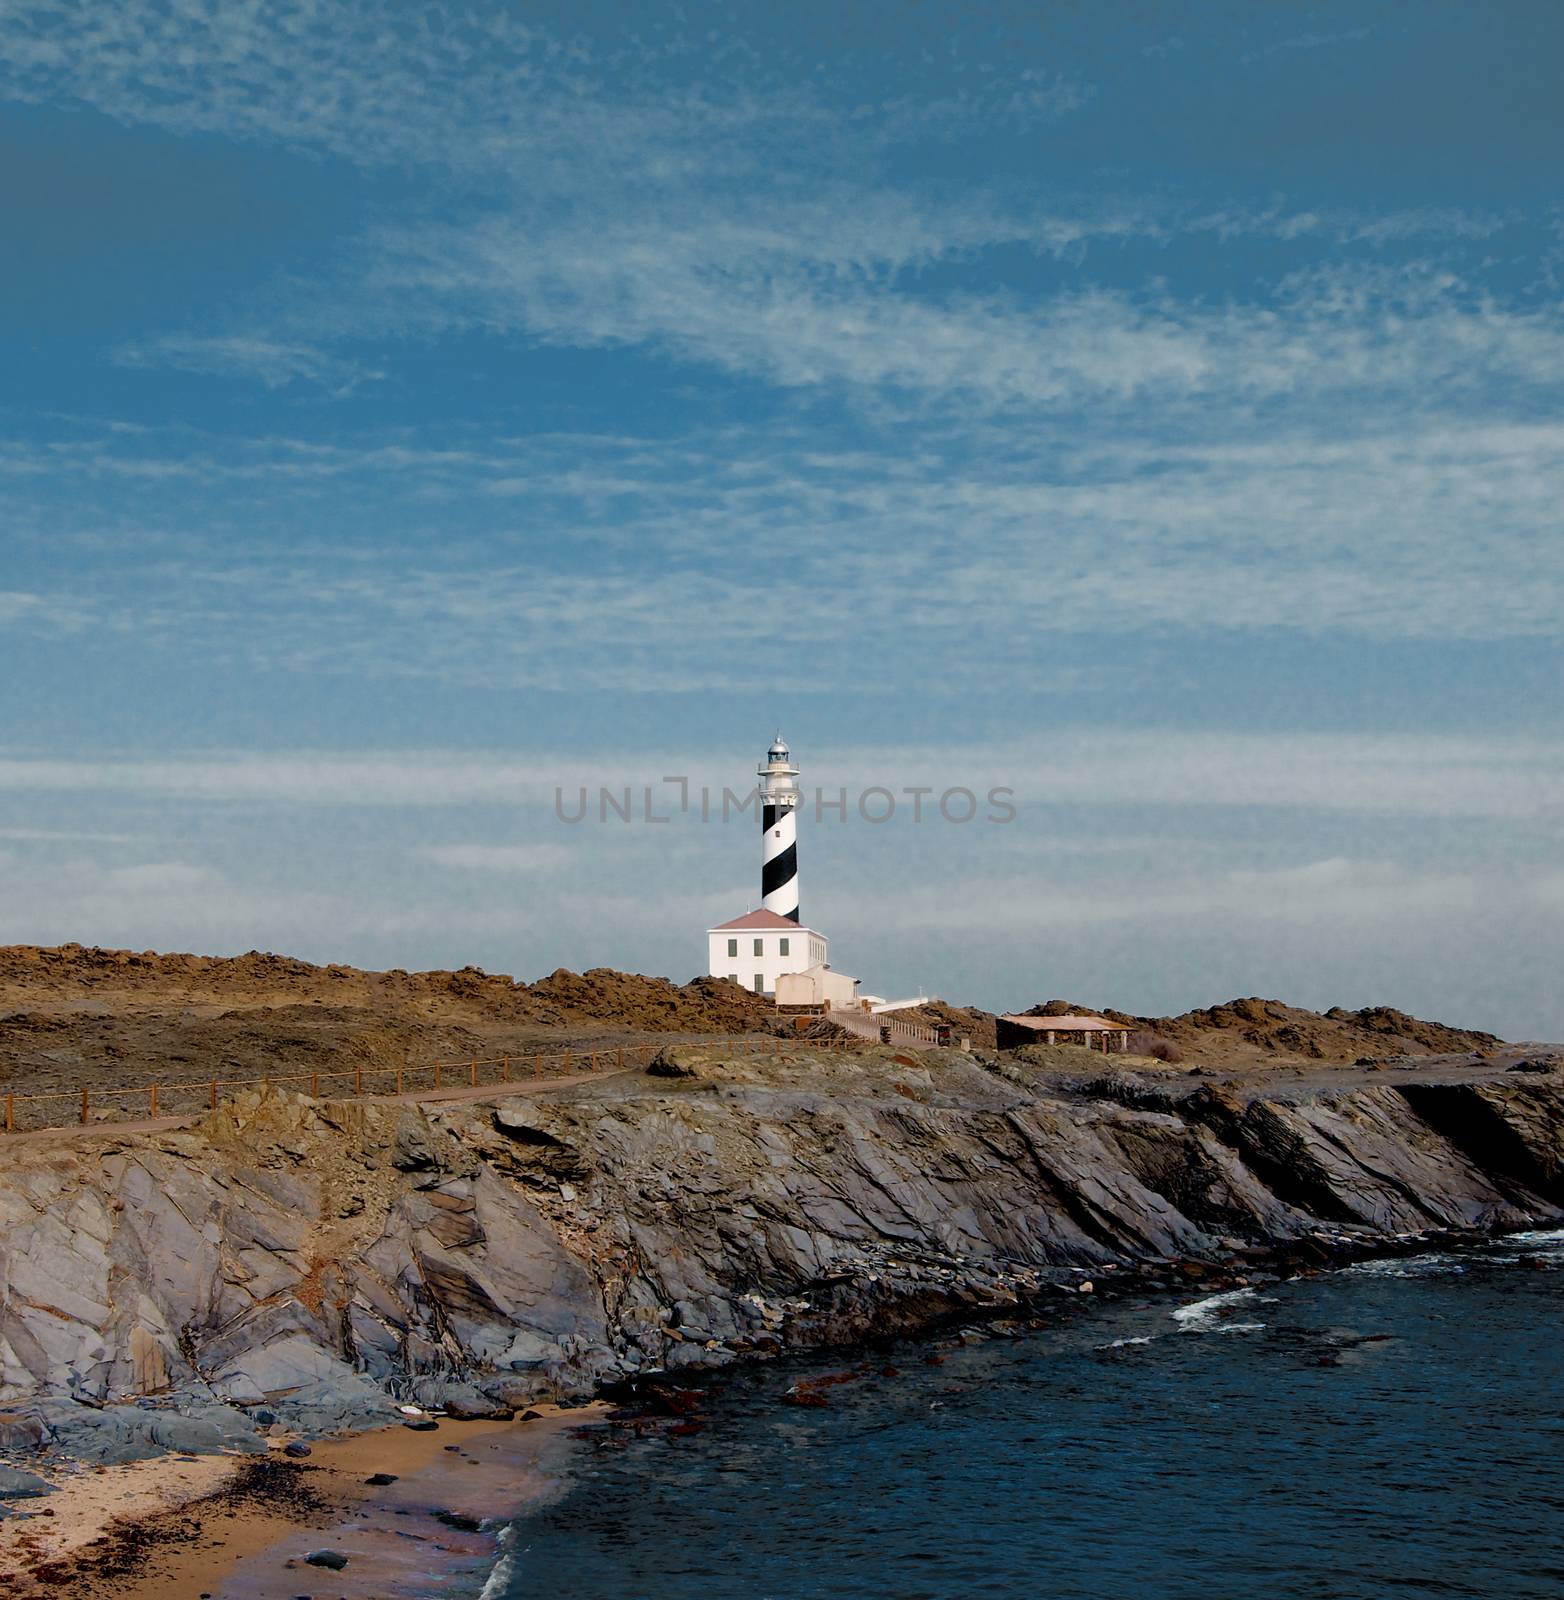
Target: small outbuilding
[
  {"x": 817, "y": 986},
  {"x": 1012, "y": 1032}
]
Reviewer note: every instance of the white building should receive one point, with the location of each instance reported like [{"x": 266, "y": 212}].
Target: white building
[
  {"x": 820, "y": 987},
  {"x": 757, "y": 948}
]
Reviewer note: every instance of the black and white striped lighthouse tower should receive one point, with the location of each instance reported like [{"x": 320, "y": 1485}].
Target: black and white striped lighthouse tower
[{"x": 779, "y": 831}]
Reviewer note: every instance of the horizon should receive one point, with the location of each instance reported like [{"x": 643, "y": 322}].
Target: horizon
[{"x": 1152, "y": 411}]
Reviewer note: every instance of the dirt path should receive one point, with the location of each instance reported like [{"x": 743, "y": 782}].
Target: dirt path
[{"x": 482, "y": 1091}]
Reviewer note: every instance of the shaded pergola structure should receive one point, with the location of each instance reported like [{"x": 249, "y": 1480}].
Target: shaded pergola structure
[{"x": 1012, "y": 1032}]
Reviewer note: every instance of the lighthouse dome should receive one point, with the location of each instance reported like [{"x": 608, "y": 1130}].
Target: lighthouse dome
[{"x": 779, "y": 750}]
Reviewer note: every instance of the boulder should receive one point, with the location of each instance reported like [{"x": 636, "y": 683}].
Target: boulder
[
  {"x": 20, "y": 1431},
  {"x": 205, "y": 1435},
  {"x": 347, "y": 1403},
  {"x": 18, "y": 1485},
  {"x": 457, "y": 1399},
  {"x": 459, "y": 1520}
]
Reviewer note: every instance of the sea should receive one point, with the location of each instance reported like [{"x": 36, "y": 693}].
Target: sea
[{"x": 1394, "y": 1429}]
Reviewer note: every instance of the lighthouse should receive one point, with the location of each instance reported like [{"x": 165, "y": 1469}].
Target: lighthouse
[
  {"x": 767, "y": 949},
  {"x": 779, "y": 831}
]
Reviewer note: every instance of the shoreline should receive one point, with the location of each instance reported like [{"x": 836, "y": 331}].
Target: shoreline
[
  {"x": 610, "y": 1242},
  {"x": 239, "y": 1527}
]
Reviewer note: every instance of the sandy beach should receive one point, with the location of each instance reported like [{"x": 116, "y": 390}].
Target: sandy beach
[{"x": 240, "y": 1527}]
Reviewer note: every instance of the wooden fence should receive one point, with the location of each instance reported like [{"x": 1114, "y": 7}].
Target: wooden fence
[{"x": 26, "y": 1113}]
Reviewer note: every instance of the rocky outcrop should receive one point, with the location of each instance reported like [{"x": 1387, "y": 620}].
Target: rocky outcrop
[
  {"x": 1247, "y": 1031},
  {"x": 40, "y": 977},
  {"x": 74, "y": 1018},
  {"x": 318, "y": 1261},
  {"x": 1271, "y": 1028}
]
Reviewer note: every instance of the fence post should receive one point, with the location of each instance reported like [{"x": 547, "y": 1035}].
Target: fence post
[
  {"x": 84, "y": 1105},
  {"x": 358, "y": 1080},
  {"x": 621, "y": 1058},
  {"x": 152, "y": 1101},
  {"x": 399, "y": 1080},
  {"x": 567, "y": 1061},
  {"x": 437, "y": 1074},
  {"x": 537, "y": 1066},
  {"x": 594, "y": 1061},
  {"x": 10, "y": 1113},
  {"x": 472, "y": 1073},
  {"x": 214, "y": 1094},
  {"x": 314, "y": 1086},
  {"x": 504, "y": 1069}
]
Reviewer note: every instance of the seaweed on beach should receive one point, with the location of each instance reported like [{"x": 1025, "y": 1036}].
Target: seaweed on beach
[{"x": 278, "y": 1488}]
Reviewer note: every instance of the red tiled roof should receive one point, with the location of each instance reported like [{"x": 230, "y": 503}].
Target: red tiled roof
[
  {"x": 755, "y": 919},
  {"x": 1069, "y": 1024}
]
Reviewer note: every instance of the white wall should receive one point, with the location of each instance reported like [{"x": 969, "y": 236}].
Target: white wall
[
  {"x": 761, "y": 971},
  {"x": 818, "y": 986}
]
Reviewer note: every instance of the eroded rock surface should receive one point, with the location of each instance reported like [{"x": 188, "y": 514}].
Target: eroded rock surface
[{"x": 313, "y": 1263}]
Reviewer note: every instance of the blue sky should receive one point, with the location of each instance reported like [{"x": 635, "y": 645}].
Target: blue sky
[{"x": 1153, "y": 409}]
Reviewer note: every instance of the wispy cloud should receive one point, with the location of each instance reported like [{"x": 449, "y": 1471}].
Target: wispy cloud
[
  {"x": 52, "y": 614},
  {"x": 811, "y": 295},
  {"x": 471, "y": 90},
  {"x": 607, "y": 200},
  {"x": 1430, "y": 776},
  {"x": 608, "y": 561},
  {"x": 1335, "y": 892},
  {"x": 1308, "y": 41},
  {"x": 273, "y": 362},
  {"x": 63, "y": 836},
  {"x": 524, "y": 860}
]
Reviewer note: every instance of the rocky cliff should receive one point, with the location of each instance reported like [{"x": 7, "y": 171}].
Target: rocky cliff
[{"x": 315, "y": 1260}]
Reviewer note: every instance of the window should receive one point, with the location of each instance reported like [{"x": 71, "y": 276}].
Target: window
[
  {"x": 760, "y": 947},
  {"x": 733, "y": 947},
  {"x": 733, "y": 977},
  {"x": 782, "y": 944},
  {"x": 760, "y": 983}
]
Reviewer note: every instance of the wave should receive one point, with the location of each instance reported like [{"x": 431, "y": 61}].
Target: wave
[
  {"x": 499, "y": 1580},
  {"x": 1119, "y": 1344},
  {"x": 1428, "y": 1266},
  {"x": 1208, "y": 1315},
  {"x": 1536, "y": 1236}
]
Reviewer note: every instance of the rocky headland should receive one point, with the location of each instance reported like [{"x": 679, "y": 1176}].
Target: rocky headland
[
  {"x": 196, "y": 1300},
  {"x": 303, "y": 1265}
]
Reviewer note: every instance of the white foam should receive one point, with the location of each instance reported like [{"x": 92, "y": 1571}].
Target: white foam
[
  {"x": 1536, "y": 1236},
  {"x": 1429, "y": 1266},
  {"x": 1119, "y": 1344},
  {"x": 1240, "y": 1327},
  {"x": 499, "y": 1580},
  {"x": 1204, "y": 1315}
]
